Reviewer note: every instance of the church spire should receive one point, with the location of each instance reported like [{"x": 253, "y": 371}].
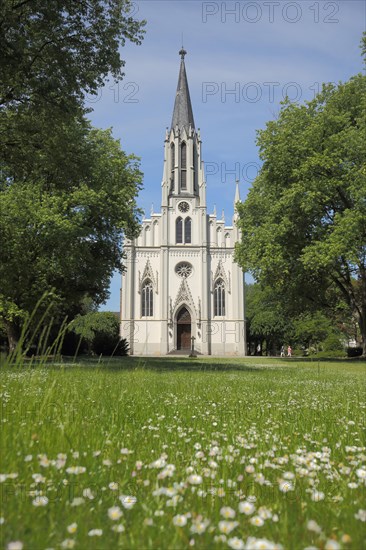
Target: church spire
[{"x": 182, "y": 114}]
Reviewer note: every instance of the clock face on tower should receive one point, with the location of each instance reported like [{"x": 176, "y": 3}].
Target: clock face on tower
[{"x": 183, "y": 206}]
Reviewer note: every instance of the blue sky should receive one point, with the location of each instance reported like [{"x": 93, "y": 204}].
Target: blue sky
[{"x": 243, "y": 57}]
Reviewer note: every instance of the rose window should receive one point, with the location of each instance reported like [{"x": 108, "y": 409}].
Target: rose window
[{"x": 183, "y": 270}]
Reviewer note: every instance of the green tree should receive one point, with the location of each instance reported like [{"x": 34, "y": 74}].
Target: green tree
[
  {"x": 67, "y": 191},
  {"x": 100, "y": 331},
  {"x": 52, "y": 55},
  {"x": 304, "y": 221},
  {"x": 312, "y": 328},
  {"x": 363, "y": 47},
  {"x": 55, "y": 52},
  {"x": 66, "y": 239},
  {"x": 267, "y": 320}
]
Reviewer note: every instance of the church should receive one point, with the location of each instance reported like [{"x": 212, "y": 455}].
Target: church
[{"x": 181, "y": 285}]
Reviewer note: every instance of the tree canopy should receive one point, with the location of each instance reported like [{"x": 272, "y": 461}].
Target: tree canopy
[
  {"x": 55, "y": 52},
  {"x": 52, "y": 55},
  {"x": 67, "y": 240},
  {"x": 67, "y": 191},
  {"x": 304, "y": 221}
]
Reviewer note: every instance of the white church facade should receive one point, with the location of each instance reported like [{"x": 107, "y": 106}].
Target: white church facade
[{"x": 181, "y": 280}]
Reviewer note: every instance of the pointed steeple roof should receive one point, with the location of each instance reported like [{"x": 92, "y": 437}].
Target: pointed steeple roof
[{"x": 182, "y": 114}]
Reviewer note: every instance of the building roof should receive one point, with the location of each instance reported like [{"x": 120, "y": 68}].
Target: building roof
[{"x": 182, "y": 114}]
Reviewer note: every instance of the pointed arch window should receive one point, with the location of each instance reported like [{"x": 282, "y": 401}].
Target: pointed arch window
[
  {"x": 156, "y": 233},
  {"x": 179, "y": 230},
  {"x": 172, "y": 167},
  {"x": 183, "y": 166},
  {"x": 219, "y": 236},
  {"x": 147, "y": 299},
  {"x": 188, "y": 230},
  {"x": 212, "y": 233},
  {"x": 147, "y": 236},
  {"x": 219, "y": 298},
  {"x": 195, "y": 167}
]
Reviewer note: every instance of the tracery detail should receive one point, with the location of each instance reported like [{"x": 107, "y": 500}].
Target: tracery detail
[{"x": 183, "y": 270}]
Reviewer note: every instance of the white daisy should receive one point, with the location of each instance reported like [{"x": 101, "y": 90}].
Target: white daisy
[
  {"x": 285, "y": 486},
  {"x": 40, "y": 501},
  {"x": 194, "y": 479},
  {"x": 180, "y": 520},
  {"x": 77, "y": 501},
  {"x": 246, "y": 508},
  {"x": 95, "y": 533},
  {"x": 257, "y": 521},
  {"x": 15, "y": 545},
  {"x": 87, "y": 493},
  {"x": 199, "y": 527},
  {"x": 227, "y": 512},
  {"x": 227, "y": 526},
  {"x": 118, "y": 528},
  {"x": 128, "y": 501},
  {"x": 317, "y": 496},
  {"x": 68, "y": 543},
  {"x": 76, "y": 470},
  {"x": 361, "y": 515},
  {"x": 332, "y": 545},
  {"x": 236, "y": 543},
  {"x": 313, "y": 526},
  {"x": 115, "y": 513}
]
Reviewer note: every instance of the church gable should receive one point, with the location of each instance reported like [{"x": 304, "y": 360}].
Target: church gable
[
  {"x": 184, "y": 296},
  {"x": 148, "y": 274},
  {"x": 220, "y": 273}
]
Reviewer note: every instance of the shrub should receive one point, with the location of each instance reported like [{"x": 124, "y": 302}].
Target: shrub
[
  {"x": 298, "y": 352},
  {"x": 354, "y": 352},
  {"x": 100, "y": 331},
  {"x": 332, "y": 343},
  {"x": 331, "y": 354},
  {"x": 109, "y": 344}
]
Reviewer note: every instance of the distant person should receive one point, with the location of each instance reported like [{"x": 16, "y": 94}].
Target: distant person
[
  {"x": 283, "y": 351},
  {"x": 289, "y": 351}
]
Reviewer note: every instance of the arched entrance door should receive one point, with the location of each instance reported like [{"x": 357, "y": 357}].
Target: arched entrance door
[{"x": 184, "y": 329}]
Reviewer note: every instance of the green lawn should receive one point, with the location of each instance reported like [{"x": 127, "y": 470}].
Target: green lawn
[{"x": 243, "y": 453}]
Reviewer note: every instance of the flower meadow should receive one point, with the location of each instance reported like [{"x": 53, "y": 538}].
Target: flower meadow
[{"x": 248, "y": 454}]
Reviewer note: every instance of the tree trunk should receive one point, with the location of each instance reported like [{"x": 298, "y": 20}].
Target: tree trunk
[
  {"x": 13, "y": 334},
  {"x": 362, "y": 325},
  {"x": 361, "y": 310},
  {"x": 358, "y": 305}
]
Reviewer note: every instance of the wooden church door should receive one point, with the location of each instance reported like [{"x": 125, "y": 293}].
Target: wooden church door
[{"x": 184, "y": 329}]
